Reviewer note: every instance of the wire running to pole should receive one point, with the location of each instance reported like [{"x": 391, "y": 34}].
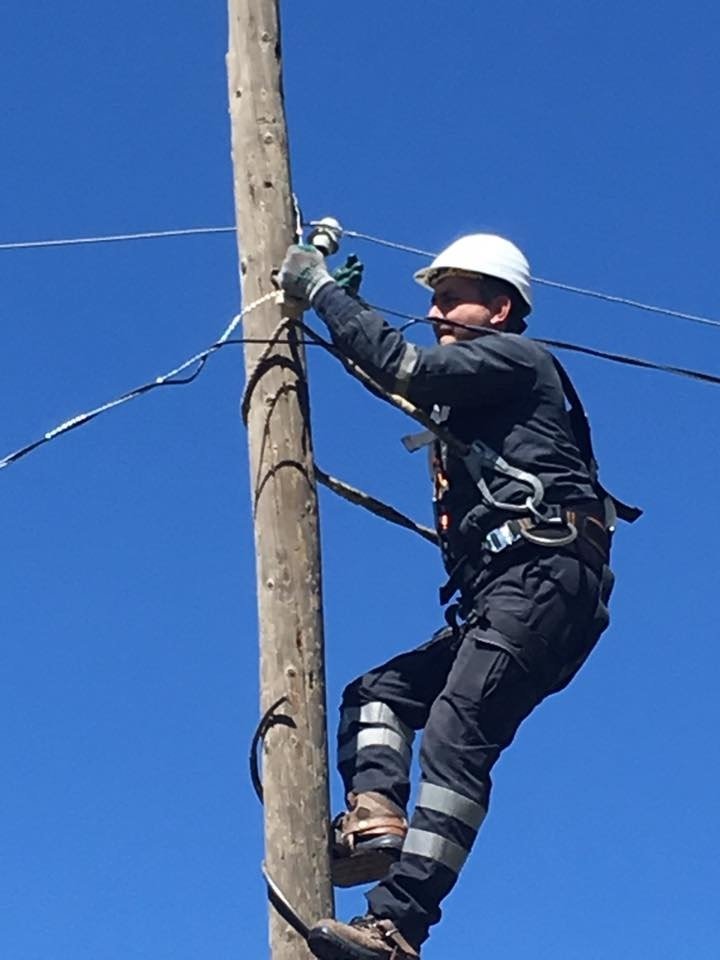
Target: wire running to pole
[
  {"x": 165, "y": 380},
  {"x": 383, "y": 510},
  {"x": 554, "y": 284},
  {"x": 115, "y": 238},
  {"x": 391, "y": 245},
  {"x": 369, "y": 238},
  {"x": 625, "y": 302},
  {"x": 622, "y": 358},
  {"x": 225, "y": 339}
]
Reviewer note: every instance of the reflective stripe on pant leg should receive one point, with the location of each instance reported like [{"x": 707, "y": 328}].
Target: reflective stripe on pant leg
[
  {"x": 373, "y": 738},
  {"x": 374, "y": 714},
  {"x": 396, "y": 695},
  {"x": 423, "y": 843},
  {"x": 436, "y": 845},
  {"x": 458, "y": 754},
  {"x": 499, "y": 675},
  {"x": 453, "y": 804}
]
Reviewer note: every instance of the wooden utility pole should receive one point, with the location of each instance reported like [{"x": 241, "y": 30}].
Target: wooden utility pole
[{"x": 283, "y": 486}]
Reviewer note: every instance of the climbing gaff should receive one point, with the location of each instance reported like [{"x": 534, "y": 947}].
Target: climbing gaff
[
  {"x": 277, "y": 898},
  {"x": 281, "y": 903},
  {"x": 269, "y": 719}
]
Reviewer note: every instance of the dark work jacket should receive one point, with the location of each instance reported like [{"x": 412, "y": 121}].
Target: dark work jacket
[{"x": 501, "y": 389}]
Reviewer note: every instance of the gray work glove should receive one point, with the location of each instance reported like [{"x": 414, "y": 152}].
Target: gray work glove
[{"x": 303, "y": 273}]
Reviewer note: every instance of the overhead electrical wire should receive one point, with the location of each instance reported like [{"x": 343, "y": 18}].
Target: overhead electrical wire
[
  {"x": 168, "y": 379},
  {"x": 368, "y": 238},
  {"x": 610, "y": 356},
  {"x": 199, "y": 360},
  {"x": 346, "y": 491},
  {"x": 554, "y": 284},
  {"x": 114, "y": 238}
]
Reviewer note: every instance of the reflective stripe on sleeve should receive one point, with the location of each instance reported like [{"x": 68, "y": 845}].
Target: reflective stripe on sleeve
[
  {"x": 375, "y": 737},
  {"x": 431, "y": 845},
  {"x": 444, "y": 800},
  {"x": 406, "y": 368}
]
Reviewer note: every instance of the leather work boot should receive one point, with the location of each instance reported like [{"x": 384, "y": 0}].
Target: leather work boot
[
  {"x": 367, "y": 839},
  {"x": 364, "y": 938}
]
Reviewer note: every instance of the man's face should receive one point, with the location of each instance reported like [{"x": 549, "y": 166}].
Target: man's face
[{"x": 461, "y": 300}]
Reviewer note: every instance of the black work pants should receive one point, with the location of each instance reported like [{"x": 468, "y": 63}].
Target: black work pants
[{"x": 531, "y": 621}]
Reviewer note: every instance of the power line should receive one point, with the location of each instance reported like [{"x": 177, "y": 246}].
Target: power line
[
  {"x": 337, "y": 486},
  {"x": 567, "y": 288},
  {"x": 115, "y": 238},
  {"x": 377, "y": 507},
  {"x": 168, "y": 379},
  {"x": 625, "y": 302},
  {"x": 369, "y": 238},
  {"x": 621, "y": 358},
  {"x": 390, "y": 244},
  {"x": 171, "y": 378},
  {"x": 631, "y": 361}
]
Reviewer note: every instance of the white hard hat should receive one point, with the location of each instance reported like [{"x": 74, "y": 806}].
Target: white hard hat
[{"x": 484, "y": 254}]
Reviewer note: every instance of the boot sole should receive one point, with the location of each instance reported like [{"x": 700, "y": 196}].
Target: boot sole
[
  {"x": 366, "y": 865},
  {"x": 327, "y": 946}
]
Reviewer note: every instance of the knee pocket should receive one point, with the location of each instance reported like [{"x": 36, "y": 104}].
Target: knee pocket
[{"x": 501, "y": 631}]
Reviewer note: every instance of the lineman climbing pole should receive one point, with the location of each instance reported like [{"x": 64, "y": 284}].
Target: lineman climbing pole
[{"x": 283, "y": 486}]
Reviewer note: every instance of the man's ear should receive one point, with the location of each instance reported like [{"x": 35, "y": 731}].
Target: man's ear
[{"x": 500, "y": 308}]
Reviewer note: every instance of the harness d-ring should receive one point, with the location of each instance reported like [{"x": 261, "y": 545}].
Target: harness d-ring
[{"x": 552, "y": 541}]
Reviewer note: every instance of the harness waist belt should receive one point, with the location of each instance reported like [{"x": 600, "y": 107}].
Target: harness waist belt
[
  {"x": 591, "y": 541},
  {"x": 553, "y": 533}
]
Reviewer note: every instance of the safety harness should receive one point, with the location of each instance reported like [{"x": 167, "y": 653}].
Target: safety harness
[{"x": 537, "y": 522}]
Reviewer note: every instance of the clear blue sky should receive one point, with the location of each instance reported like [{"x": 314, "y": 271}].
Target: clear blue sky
[{"x": 128, "y": 665}]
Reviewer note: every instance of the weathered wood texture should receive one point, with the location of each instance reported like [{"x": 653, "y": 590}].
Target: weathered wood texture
[{"x": 283, "y": 487}]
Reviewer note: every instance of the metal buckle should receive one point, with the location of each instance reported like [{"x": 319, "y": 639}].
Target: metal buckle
[
  {"x": 545, "y": 514},
  {"x": 500, "y": 538}
]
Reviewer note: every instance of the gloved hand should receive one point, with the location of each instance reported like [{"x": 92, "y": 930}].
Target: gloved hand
[
  {"x": 349, "y": 275},
  {"x": 303, "y": 273}
]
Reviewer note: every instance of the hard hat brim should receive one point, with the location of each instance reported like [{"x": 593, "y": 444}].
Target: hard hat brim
[{"x": 429, "y": 276}]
